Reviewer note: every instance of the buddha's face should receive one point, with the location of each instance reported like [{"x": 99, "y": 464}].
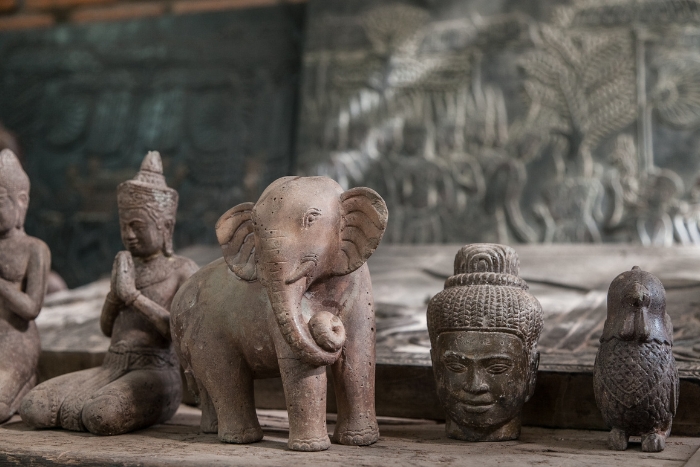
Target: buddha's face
[
  {"x": 140, "y": 232},
  {"x": 13, "y": 205},
  {"x": 482, "y": 377}
]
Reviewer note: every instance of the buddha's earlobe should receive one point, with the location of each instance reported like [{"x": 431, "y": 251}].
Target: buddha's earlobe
[
  {"x": 167, "y": 232},
  {"x": 534, "y": 361},
  {"x": 22, "y": 205}
]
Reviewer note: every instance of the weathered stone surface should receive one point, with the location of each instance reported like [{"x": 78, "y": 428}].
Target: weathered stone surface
[{"x": 403, "y": 442}]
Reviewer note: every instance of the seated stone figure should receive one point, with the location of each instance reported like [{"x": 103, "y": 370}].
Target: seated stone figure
[
  {"x": 24, "y": 267},
  {"x": 483, "y": 331},
  {"x": 138, "y": 384}
]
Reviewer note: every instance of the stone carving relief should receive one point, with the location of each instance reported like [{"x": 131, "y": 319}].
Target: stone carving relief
[{"x": 577, "y": 124}]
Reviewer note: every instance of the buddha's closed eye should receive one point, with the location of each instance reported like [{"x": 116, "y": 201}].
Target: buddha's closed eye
[
  {"x": 498, "y": 368},
  {"x": 497, "y": 365},
  {"x": 455, "y": 362},
  {"x": 455, "y": 366},
  {"x": 459, "y": 363}
]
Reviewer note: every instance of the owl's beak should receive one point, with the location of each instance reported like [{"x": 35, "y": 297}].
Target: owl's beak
[{"x": 635, "y": 327}]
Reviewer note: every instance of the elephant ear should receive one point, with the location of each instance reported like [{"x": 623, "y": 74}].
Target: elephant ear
[
  {"x": 364, "y": 222},
  {"x": 234, "y": 230}
]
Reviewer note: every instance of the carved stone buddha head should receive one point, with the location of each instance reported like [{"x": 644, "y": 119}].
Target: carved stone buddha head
[{"x": 483, "y": 331}]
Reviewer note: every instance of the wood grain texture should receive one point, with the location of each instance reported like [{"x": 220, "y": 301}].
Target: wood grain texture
[{"x": 403, "y": 442}]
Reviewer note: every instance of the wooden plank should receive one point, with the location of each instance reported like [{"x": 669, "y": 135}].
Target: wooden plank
[
  {"x": 402, "y": 442},
  {"x": 694, "y": 460}
]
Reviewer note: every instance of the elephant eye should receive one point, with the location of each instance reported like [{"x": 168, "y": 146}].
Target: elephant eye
[{"x": 311, "y": 216}]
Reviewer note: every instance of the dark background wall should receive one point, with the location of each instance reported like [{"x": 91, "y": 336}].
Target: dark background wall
[
  {"x": 516, "y": 121},
  {"x": 215, "y": 93}
]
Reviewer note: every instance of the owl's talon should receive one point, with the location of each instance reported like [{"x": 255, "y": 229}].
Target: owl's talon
[
  {"x": 653, "y": 442},
  {"x": 617, "y": 440}
]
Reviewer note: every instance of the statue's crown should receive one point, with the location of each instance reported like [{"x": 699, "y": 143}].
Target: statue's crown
[
  {"x": 12, "y": 176},
  {"x": 486, "y": 294},
  {"x": 487, "y": 257},
  {"x": 148, "y": 189}
]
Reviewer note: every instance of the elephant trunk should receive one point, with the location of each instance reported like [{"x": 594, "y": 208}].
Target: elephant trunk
[{"x": 285, "y": 291}]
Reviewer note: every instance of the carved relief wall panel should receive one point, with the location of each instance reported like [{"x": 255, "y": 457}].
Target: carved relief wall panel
[
  {"x": 214, "y": 93},
  {"x": 515, "y": 121}
]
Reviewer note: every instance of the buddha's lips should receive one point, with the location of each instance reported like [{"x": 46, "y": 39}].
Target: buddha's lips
[
  {"x": 480, "y": 408},
  {"x": 478, "y": 405}
]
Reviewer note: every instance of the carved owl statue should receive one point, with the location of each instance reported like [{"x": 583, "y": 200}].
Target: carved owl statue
[{"x": 635, "y": 377}]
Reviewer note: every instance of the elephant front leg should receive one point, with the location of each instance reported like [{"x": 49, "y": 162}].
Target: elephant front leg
[
  {"x": 353, "y": 377},
  {"x": 305, "y": 392},
  {"x": 305, "y": 388}
]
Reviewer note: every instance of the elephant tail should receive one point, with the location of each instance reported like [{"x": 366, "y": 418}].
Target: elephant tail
[{"x": 192, "y": 384}]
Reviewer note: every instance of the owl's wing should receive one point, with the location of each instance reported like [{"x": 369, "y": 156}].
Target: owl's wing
[{"x": 674, "y": 390}]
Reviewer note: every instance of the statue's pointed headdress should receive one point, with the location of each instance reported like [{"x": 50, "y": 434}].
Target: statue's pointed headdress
[
  {"x": 12, "y": 176},
  {"x": 147, "y": 190}
]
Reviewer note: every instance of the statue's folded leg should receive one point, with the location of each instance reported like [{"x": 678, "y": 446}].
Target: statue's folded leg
[
  {"x": 13, "y": 386},
  {"x": 17, "y": 368},
  {"x": 51, "y": 403},
  {"x": 138, "y": 399}
]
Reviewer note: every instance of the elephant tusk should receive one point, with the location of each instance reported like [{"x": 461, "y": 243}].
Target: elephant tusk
[{"x": 303, "y": 270}]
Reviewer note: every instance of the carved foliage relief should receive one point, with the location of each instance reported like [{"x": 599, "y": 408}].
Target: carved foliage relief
[
  {"x": 214, "y": 93},
  {"x": 490, "y": 123}
]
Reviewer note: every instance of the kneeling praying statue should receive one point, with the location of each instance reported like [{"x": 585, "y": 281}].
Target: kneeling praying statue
[
  {"x": 138, "y": 384},
  {"x": 24, "y": 268}
]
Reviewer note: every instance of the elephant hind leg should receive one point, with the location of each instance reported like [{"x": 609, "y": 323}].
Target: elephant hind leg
[
  {"x": 210, "y": 422},
  {"x": 226, "y": 393}
]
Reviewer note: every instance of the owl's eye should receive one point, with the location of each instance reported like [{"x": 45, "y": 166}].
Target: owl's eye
[
  {"x": 646, "y": 300},
  {"x": 638, "y": 296}
]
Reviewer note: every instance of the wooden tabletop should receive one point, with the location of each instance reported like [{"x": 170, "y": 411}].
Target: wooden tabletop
[{"x": 402, "y": 443}]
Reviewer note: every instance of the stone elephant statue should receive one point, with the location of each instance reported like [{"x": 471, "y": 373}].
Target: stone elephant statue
[{"x": 291, "y": 295}]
